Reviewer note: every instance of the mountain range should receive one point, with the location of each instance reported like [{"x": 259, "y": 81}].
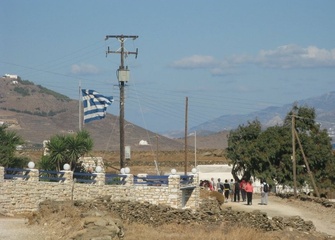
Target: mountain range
[{"x": 324, "y": 107}]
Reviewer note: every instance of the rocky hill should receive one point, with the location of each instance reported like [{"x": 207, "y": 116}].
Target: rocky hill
[{"x": 37, "y": 113}]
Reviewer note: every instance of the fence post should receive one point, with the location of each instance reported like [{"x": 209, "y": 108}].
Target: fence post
[
  {"x": 174, "y": 189},
  {"x": 68, "y": 175},
  {"x": 2, "y": 174},
  {"x": 129, "y": 180},
  {"x": 100, "y": 178},
  {"x": 33, "y": 175},
  {"x": 195, "y": 196}
]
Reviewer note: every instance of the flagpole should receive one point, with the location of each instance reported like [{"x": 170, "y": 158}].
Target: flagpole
[{"x": 79, "y": 102}]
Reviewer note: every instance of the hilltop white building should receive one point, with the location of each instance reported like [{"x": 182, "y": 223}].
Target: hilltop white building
[{"x": 11, "y": 76}]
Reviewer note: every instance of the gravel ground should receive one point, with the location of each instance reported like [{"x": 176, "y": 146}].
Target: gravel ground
[
  {"x": 17, "y": 229},
  {"x": 323, "y": 218},
  {"x": 12, "y": 228}
]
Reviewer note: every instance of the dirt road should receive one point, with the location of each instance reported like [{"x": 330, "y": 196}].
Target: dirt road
[
  {"x": 16, "y": 228},
  {"x": 323, "y": 218}
]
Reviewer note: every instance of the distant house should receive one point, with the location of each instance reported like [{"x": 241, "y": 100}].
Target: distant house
[
  {"x": 11, "y": 76},
  {"x": 143, "y": 143}
]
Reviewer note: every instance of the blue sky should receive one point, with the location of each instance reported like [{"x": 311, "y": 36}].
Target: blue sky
[{"x": 227, "y": 57}]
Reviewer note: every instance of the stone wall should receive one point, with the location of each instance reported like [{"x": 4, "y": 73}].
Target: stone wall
[{"x": 22, "y": 196}]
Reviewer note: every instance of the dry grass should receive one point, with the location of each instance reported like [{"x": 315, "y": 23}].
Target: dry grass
[{"x": 192, "y": 232}]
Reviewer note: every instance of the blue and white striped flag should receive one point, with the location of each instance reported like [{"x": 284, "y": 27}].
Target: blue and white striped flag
[{"x": 95, "y": 105}]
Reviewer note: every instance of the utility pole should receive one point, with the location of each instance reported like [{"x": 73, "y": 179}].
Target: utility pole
[
  {"x": 80, "y": 102},
  {"x": 186, "y": 116},
  {"x": 195, "y": 149},
  {"x": 307, "y": 165},
  {"x": 156, "y": 147},
  {"x": 123, "y": 76},
  {"x": 293, "y": 157}
]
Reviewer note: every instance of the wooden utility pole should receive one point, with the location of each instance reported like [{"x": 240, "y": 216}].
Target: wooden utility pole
[
  {"x": 293, "y": 157},
  {"x": 156, "y": 147},
  {"x": 80, "y": 102},
  {"x": 307, "y": 165},
  {"x": 123, "y": 76},
  {"x": 186, "y": 116}
]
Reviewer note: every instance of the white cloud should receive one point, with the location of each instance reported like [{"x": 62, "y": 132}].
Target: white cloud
[
  {"x": 195, "y": 61},
  {"x": 84, "y": 68},
  {"x": 294, "y": 56},
  {"x": 283, "y": 57}
]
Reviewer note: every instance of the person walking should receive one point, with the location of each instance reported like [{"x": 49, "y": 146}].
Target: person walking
[
  {"x": 249, "y": 189},
  {"x": 232, "y": 189},
  {"x": 237, "y": 191},
  {"x": 213, "y": 184},
  {"x": 264, "y": 193},
  {"x": 219, "y": 186},
  {"x": 226, "y": 186},
  {"x": 242, "y": 187}
]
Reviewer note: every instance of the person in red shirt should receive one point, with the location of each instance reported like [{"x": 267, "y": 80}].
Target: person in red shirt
[
  {"x": 211, "y": 187},
  {"x": 242, "y": 187},
  {"x": 249, "y": 190}
]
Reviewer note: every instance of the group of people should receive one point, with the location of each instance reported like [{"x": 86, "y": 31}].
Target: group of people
[{"x": 237, "y": 190}]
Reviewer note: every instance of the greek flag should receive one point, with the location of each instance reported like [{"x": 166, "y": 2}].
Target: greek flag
[{"x": 95, "y": 105}]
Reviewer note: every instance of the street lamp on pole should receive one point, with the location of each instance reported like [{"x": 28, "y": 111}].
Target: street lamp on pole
[{"x": 195, "y": 147}]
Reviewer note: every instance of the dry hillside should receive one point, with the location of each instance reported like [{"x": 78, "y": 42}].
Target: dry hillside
[{"x": 37, "y": 113}]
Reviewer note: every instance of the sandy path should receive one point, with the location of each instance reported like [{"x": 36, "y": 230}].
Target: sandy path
[
  {"x": 16, "y": 228},
  {"x": 322, "y": 218}
]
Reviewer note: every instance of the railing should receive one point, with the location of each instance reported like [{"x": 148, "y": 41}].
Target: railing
[
  {"x": 84, "y": 177},
  {"x": 51, "y": 176},
  {"x": 17, "y": 173},
  {"x": 152, "y": 180},
  {"x": 186, "y": 181},
  {"x": 115, "y": 179},
  {"x": 159, "y": 180}
]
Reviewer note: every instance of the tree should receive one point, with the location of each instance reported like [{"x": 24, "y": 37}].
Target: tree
[
  {"x": 8, "y": 142},
  {"x": 57, "y": 151},
  {"x": 240, "y": 149},
  {"x": 267, "y": 154},
  {"x": 316, "y": 146},
  {"x": 274, "y": 150},
  {"x": 68, "y": 149}
]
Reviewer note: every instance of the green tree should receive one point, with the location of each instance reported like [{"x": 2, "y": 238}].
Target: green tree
[
  {"x": 240, "y": 149},
  {"x": 8, "y": 142},
  {"x": 316, "y": 145},
  {"x": 46, "y": 164},
  {"x": 267, "y": 154},
  {"x": 274, "y": 150},
  {"x": 57, "y": 151},
  {"x": 68, "y": 149}
]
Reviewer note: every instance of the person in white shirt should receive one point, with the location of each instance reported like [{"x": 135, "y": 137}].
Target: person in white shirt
[{"x": 264, "y": 193}]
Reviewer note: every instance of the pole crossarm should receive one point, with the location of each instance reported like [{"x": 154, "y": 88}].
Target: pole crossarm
[
  {"x": 121, "y": 36},
  {"x": 120, "y": 52}
]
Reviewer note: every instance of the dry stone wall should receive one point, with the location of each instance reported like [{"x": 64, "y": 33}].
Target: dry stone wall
[{"x": 22, "y": 196}]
